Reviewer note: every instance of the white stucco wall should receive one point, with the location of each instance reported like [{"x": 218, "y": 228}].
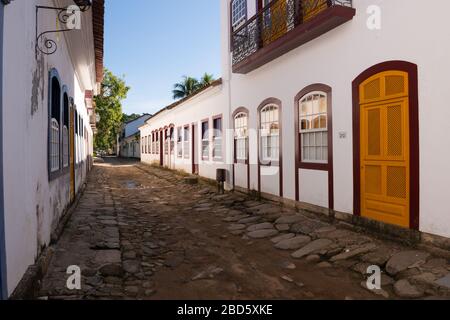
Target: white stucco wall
[
  {"x": 33, "y": 205},
  {"x": 336, "y": 59},
  {"x": 206, "y": 105}
]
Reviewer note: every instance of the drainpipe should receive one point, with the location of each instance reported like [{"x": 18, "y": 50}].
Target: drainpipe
[{"x": 3, "y": 278}]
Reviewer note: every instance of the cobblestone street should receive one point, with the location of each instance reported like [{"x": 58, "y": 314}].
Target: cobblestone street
[{"x": 143, "y": 232}]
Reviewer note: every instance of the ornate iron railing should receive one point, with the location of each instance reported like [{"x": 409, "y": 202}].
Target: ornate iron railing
[{"x": 274, "y": 21}]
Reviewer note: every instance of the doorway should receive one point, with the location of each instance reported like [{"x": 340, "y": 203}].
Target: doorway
[{"x": 386, "y": 144}]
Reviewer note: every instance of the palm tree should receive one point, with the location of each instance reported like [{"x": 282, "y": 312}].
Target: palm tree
[
  {"x": 206, "y": 79},
  {"x": 185, "y": 88}
]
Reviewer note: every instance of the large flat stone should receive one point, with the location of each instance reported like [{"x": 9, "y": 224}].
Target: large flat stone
[
  {"x": 249, "y": 220},
  {"x": 260, "y": 226},
  {"x": 290, "y": 219},
  {"x": 282, "y": 237},
  {"x": 293, "y": 243},
  {"x": 264, "y": 233},
  {"x": 353, "y": 253},
  {"x": 107, "y": 256},
  {"x": 312, "y": 247},
  {"x": 404, "y": 289},
  {"x": 235, "y": 227},
  {"x": 307, "y": 227},
  {"x": 444, "y": 282},
  {"x": 405, "y": 259}
]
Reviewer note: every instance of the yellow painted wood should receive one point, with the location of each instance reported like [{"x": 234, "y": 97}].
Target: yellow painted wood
[
  {"x": 384, "y": 147},
  {"x": 311, "y": 8},
  {"x": 275, "y": 22}
]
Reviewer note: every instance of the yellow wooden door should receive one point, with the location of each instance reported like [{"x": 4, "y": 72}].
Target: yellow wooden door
[
  {"x": 275, "y": 21},
  {"x": 72, "y": 154},
  {"x": 385, "y": 158}
]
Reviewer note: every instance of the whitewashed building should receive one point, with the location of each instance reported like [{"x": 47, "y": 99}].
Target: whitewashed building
[
  {"x": 52, "y": 64},
  {"x": 130, "y": 138},
  {"x": 338, "y": 106}
]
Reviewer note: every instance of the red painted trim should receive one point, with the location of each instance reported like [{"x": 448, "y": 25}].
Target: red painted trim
[
  {"x": 280, "y": 161},
  {"x": 209, "y": 140},
  {"x": 412, "y": 71},
  {"x": 299, "y": 164},
  {"x": 246, "y": 162}
]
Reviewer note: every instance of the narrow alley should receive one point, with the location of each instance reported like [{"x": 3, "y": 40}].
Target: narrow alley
[{"x": 145, "y": 232}]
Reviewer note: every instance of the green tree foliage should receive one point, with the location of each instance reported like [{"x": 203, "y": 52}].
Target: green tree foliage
[
  {"x": 190, "y": 85},
  {"x": 206, "y": 79},
  {"x": 130, "y": 117},
  {"x": 185, "y": 88},
  {"x": 109, "y": 107}
]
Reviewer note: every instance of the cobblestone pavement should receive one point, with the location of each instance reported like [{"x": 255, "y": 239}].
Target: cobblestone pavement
[{"x": 142, "y": 232}]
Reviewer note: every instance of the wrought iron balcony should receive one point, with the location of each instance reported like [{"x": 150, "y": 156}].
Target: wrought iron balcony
[{"x": 282, "y": 26}]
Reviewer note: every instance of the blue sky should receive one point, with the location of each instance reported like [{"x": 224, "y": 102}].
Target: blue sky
[{"x": 153, "y": 43}]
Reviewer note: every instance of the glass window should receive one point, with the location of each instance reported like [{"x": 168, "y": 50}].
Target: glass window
[
  {"x": 217, "y": 138},
  {"x": 238, "y": 12},
  {"x": 180, "y": 142},
  {"x": 314, "y": 127},
  {"x": 166, "y": 141},
  {"x": 186, "y": 142},
  {"x": 205, "y": 140},
  {"x": 65, "y": 131},
  {"x": 241, "y": 136},
  {"x": 172, "y": 139},
  {"x": 270, "y": 133}
]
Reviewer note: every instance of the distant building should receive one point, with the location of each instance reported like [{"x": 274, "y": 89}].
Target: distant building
[
  {"x": 48, "y": 80},
  {"x": 130, "y": 137}
]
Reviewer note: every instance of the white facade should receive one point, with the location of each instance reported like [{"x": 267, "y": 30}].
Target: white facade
[
  {"x": 209, "y": 105},
  {"x": 130, "y": 147},
  {"x": 334, "y": 60},
  {"x": 35, "y": 200},
  {"x": 129, "y": 140}
]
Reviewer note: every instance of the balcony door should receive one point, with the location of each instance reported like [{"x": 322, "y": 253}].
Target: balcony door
[{"x": 274, "y": 24}]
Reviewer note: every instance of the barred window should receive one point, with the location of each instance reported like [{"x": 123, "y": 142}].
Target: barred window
[
  {"x": 186, "y": 142},
  {"x": 205, "y": 140},
  {"x": 217, "y": 139},
  {"x": 270, "y": 133},
  {"x": 54, "y": 126},
  {"x": 238, "y": 12},
  {"x": 241, "y": 135},
  {"x": 314, "y": 127}
]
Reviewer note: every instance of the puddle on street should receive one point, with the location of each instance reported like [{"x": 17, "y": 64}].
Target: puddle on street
[{"x": 130, "y": 184}]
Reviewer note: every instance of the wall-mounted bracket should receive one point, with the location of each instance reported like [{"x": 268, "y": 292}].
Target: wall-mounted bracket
[{"x": 48, "y": 46}]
